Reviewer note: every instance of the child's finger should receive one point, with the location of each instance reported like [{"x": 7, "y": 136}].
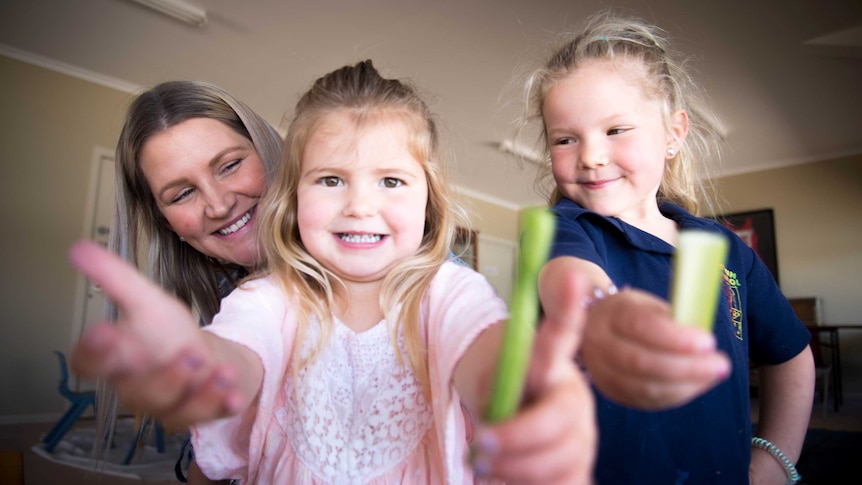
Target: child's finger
[
  {"x": 118, "y": 279},
  {"x": 104, "y": 352},
  {"x": 559, "y": 335},
  {"x": 637, "y": 315},
  {"x": 147, "y": 312},
  {"x": 638, "y": 356},
  {"x": 91, "y": 356}
]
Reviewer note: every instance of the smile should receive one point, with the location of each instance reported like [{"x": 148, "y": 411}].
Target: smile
[
  {"x": 360, "y": 238},
  {"x": 596, "y": 184},
  {"x": 236, "y": 226}
]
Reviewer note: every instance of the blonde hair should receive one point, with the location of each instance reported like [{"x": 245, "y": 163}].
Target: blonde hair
[
  {"x": 366, "y": 97},
  {"x": 609, "y": 37}
]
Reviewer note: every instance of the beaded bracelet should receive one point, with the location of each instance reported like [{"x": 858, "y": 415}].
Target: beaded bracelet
[{"x": 792, "y": 475}]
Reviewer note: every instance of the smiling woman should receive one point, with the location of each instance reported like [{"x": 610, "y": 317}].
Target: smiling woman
[
  {"x": 192, "y": 162},
  {"x": 206, "y": 179}
]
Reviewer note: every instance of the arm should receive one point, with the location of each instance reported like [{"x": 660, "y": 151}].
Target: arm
[
  {"x": 786, "y": 396},
  {"x": 633, "y": 350},
  {"x": 158, "y": 359},
  {"x": 474, "y": 373}
]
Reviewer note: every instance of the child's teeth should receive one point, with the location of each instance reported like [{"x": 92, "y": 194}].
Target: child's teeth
[{"x": 364, "y": 238}]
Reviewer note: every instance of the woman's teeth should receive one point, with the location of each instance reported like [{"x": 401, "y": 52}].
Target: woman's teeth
[
  {"x": 360, "y": 238},
  {"x": 236, "y": 225}
]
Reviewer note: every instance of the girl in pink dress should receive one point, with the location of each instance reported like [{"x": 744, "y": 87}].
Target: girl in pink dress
[{"x": 360, "y": 354}]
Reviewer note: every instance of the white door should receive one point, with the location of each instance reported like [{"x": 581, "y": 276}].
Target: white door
[
  {"x": 497, "y": 260},
  {"x": 97, "y": 226}
]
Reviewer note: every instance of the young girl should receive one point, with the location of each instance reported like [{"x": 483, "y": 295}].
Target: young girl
[
  {"x": 623, "y": 139},
  {"x": 350, "y": 359}
]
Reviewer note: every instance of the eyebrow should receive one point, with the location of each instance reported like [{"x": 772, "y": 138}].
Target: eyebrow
[{"x": 347, "y": 167}]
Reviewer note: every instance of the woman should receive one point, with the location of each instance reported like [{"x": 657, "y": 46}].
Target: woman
[{"x": 192, "y": 163}]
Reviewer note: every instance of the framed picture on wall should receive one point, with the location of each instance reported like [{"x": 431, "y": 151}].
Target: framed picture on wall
[
  {"x": 465, "y": 247},
  {"x": 757, "y": 229}
]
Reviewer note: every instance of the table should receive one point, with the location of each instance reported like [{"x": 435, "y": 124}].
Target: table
[{"x": 831, "y": 331}]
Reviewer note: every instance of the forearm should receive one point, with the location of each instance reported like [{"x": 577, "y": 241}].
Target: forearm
[
  {"x": 474, "y": 374},
  {"x": 785, "y": 398}
]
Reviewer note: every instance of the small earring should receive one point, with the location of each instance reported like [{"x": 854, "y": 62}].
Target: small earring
[
  {"x": 182, "y": 239},
  {"x": 671, "y": 151}
]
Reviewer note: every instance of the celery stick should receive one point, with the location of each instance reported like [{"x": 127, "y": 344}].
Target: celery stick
[
  {"x": 538, "y": 234},
  {"x": 698, "y": 266}
]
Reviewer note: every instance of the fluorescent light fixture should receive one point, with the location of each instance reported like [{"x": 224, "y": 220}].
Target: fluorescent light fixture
[
  {"x": 178, "y": 9},
  {"x": 520, "y": 150}
]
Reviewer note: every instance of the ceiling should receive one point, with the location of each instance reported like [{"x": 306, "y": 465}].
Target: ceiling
[{"x": 785, "y": 76}]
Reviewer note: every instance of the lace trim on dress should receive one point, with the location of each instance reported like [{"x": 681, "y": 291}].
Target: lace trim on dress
[{"x": 354, "y": 413}]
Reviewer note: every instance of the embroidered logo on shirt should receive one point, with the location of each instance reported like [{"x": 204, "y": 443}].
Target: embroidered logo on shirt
[{"x": 731, "y": 296}]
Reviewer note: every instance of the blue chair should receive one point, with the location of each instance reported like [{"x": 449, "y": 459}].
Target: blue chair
[
  {"x": 142, "y": 424},
  {"x": 80, "y": 402}
]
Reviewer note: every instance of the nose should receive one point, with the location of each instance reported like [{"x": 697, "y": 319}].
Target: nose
[
  {"x": 219, "y": 202},
  {"x": 593, "y": 154},
  {"x": 360, "y": 202}
]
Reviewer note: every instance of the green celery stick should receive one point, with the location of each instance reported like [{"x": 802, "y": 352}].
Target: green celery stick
[
  {"x": 698, "y": 265},
  {"x": 538, "y": 234}
]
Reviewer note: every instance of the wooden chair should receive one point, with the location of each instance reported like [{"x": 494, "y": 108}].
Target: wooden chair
[
  {"x": 808, "y": 310},
  {"x": 822, "y": 369}
]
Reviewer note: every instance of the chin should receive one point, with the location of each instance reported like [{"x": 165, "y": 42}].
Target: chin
[{"x": 247, "y": 257}]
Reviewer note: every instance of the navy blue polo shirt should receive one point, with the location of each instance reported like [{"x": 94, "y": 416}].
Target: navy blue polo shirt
[{"x": 707, "y": 441}]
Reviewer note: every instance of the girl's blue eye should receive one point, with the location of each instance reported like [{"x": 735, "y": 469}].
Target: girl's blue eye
[
  {"x": 616, "y": 131},
  {"x": 391, "y": 183},
  {"x": 564, "y": 141}
]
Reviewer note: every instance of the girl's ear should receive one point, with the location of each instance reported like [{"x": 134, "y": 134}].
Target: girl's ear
[{"x": 678, "y": 128}]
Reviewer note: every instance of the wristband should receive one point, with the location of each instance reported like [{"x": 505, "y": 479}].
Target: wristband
[{"x": 765, "y": 445}]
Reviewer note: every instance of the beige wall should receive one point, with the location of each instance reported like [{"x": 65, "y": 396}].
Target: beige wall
[
  {"x": 497, "y": 245},
  {"x": 492, "y": 220},
  {"x": 818, "y": 231},
  {"x": 51, "y": 124}
]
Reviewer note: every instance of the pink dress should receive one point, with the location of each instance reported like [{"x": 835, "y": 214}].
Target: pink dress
[{"x": 354, "y": 416}]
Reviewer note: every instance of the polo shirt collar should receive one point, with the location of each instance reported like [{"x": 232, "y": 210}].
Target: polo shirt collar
[{"x": 638, "y": 238}]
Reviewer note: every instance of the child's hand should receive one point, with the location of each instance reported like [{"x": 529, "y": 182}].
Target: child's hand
[
  {"x": 156, "y": 357},
  {"x": 638, "y": 356},
  {"x": 553, "y": 438}
]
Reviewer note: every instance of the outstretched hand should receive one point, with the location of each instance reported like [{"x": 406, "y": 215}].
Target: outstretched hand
[
  {"x": 155, "y": 355},
  {"x": 632, "y": 349},
  {"x": 553, "y": 437},
  {"x": 638, "y": 356}
]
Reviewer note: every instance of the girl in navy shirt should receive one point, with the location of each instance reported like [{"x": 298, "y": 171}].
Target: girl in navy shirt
[{"x": 623, "y": 134}]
